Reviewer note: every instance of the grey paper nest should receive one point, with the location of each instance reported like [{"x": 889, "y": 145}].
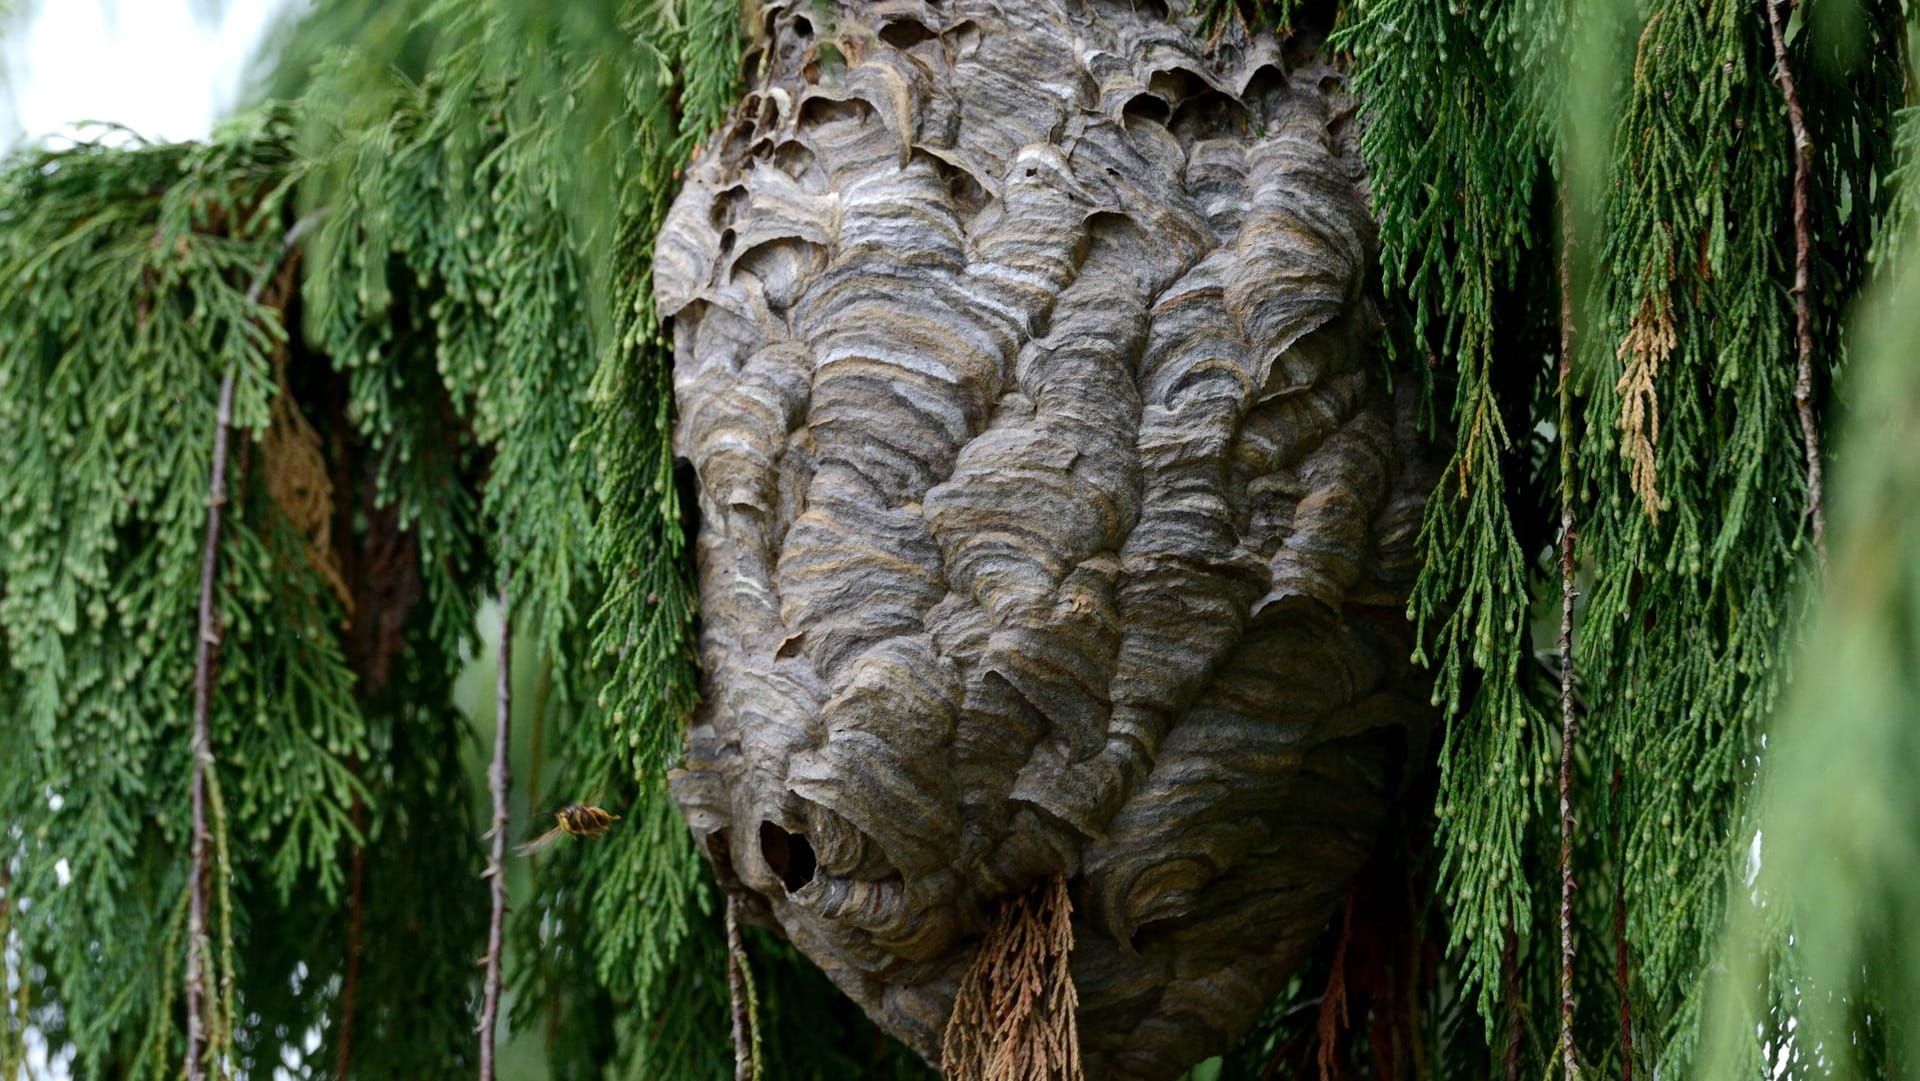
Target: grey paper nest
[{"x": 1057, "y": 517}]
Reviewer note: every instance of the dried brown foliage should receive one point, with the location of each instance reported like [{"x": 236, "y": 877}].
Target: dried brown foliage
[
  {"x": 295, "y": 469},
  {"x": 1649, "y": 341},
  {"x": 1013, "y": 1018}
]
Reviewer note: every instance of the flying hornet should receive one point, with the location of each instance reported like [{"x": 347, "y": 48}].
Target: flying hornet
[{"x": 575, "y": 819}]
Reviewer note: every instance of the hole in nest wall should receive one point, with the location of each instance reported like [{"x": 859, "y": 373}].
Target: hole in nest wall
[
  {"x": 789, "y": 855},
  {"x": 904, "y": 34},
  {"x": 1145, "y": 106}
]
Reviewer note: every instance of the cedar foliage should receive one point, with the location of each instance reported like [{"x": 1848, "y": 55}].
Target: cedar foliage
[
  {"x": 461, "y": 366},
  {"x": 1833, "y": 807}
]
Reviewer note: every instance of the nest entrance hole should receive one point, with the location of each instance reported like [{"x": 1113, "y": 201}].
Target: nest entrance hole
[{"x": 790, "y": 855}]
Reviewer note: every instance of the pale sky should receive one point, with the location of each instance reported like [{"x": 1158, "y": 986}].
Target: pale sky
[{"x": 166, "y": 68}]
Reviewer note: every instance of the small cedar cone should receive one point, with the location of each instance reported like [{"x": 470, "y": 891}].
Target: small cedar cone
[{"x": 1057, "y": 517}]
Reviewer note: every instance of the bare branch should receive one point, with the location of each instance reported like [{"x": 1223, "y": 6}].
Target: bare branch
[
  {"x": 1802, "y": 257},
  {"x": 498, "y": 779},
  {"x": 294, "y": 233},
  {"x": 207, "y": 637},
  {"x": 1568, "y": 723}
]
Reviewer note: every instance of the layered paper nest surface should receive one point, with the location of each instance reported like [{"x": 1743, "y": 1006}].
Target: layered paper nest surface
[{"x": 1057, "y": 517}]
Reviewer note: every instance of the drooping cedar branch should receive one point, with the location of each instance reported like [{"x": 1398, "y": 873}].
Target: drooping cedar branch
[
  {"x": 1568, "y": 722},
  {"x": 1515, "y": 1025},
  {"x": 498, "y": 782},
  {"x": 536, "y": 761},
  {"x": 206, "y": 642},
  {"x": 1802, "y": 256}
]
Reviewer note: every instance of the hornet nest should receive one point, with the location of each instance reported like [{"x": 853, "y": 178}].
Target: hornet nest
[{"x": 1057, "y": 516}]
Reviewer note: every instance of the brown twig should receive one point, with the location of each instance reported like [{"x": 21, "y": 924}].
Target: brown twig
[
  {"x": 498, "y": 778},
  {"x": 1333, "y": 1002},
  {"x": 1802, "y": 257},
  {"x": 743, "y": 1066},
  {"x": 1568, "y": 722}
]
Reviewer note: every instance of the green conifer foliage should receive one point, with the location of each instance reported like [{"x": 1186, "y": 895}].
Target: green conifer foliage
[
  {"x": 514, "y": 163},
  {"x": 129, "y": 275},
  {"x": 458, "y": 370},
  {"x": 1688, "y": 470},
  {"x": 1455, "y": 164},
  {"x": 1835, "y": 815},
  {"x": 1698, "y": 483}
]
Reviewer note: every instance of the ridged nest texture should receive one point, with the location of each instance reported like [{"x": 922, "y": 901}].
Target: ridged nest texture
[{"x": 1056, "y": 515}]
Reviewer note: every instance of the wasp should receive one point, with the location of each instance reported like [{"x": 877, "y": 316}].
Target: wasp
[{"x": 576, "y": 819}]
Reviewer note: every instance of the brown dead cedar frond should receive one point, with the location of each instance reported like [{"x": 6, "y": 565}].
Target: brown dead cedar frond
[
  {"x": 1013, "y": 1016},
  {"x": 1333, "y": 1018},
  {"x": 1649, "y": 341},
  {"x": 297, "y": 480}
]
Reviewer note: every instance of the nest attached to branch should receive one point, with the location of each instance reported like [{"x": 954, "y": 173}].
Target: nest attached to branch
[{"x": 1058, "y": 520}]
